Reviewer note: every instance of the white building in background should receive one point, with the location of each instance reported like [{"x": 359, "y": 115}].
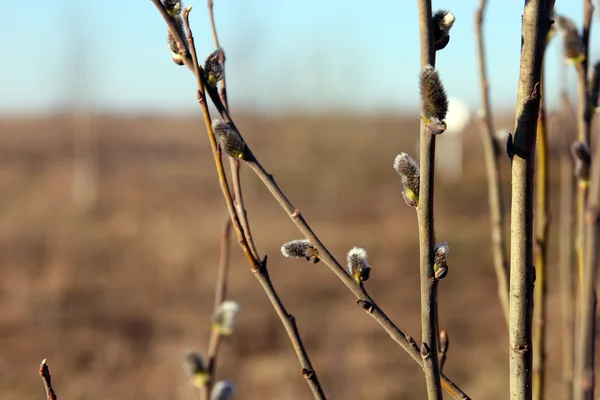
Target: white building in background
[{"x": 449, "y": 146}]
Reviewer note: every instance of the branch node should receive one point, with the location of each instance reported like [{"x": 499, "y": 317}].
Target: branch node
[{"x": 365, "y": 305}]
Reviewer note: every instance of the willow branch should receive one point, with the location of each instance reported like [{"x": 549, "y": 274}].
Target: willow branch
[
  {"x": 216, "y": 337},
  {"x": 364, "y": 300},
  {"x": 541, "y": 248},
  {"x": 429, "y": 333},
  {"x": 45, "y": 374},
  {"x": 192, "y": 63},
  {"x": 534, "y": 31},
  {"x": 584, "y": 126},
  {"x": 584, "y": 355},
  {"x": 566, "y": 268},
  {"x": 234, "y": 164},
  {"x": 587, "y": 232},
  {"x": 491, "y": 155}
]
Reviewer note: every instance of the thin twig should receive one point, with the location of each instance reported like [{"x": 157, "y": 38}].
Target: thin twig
[
  {"x": 364, "y": 300},
  {"x": 289, "y": 322},
  {"x": 541, "y": 248},
  {"x": 567, "y": 194},
  {"x": 584, "y": 355},
  {"x": 234, "y": 164},
  {"x": 429, "y": 333},
  {"x": 491, "y": 155},
  {"x": 216, "y": 337},
  {"x": 588, "y": 220},
  {"x": 584, "y": 128},
  {"x": 192, "y": 63},
  {"x": 45, "y": 374},
  {"x": 534, "y": 31}
]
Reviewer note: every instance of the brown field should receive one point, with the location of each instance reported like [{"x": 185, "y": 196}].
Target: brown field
[{"x": 114, "y": 292}]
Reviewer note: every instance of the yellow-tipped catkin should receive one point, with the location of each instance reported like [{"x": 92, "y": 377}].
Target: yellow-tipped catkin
[
  {"x": 408, "y": 169},
  {"x": 572, "y": 43},
  {"x": 358, "y": 266},
  {"x": 300, "y": 248},
  {"x": 174, "y": 8},
  {"x": 214, "y": 67},
  {"x": 193, "y": 364},
  {"x": 230, "y": 140},
  {"x": 433, "y": 97},
  {"x": 224, "y": 317}
]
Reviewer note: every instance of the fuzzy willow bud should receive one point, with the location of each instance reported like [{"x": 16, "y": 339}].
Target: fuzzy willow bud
[
  {"x": 300, "y": 248},
  {"x": 434, "y": 100},
  {"x": 358, "y": 266},
  {"x": 442, "y": 21},
  {"x": 230, "y": 140},
  {"x": 214, "y": 68},
  {"x": 224, "y": 317},
  {"x": 440, "y": 268},
  {"x": 408, "y": 169},
  {"x": 223, "y": 390},
  {"x": 193, "y": 364}
]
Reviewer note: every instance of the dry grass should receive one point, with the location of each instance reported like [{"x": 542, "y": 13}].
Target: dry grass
[{"x": 113, "y": 296}]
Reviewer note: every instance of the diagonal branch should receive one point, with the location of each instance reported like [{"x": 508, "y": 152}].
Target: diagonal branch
[
  {"x": 191, "y": 62},
  {"x": 364, "y": 300},
  {"x": 234, "y": 164}
]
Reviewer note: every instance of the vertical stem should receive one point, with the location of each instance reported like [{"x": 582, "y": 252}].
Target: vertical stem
[
  {"x": 426, "y": 227},
  {"x": 541, "y": 246},
  {"x": 566, "y": 264},
  {"x": 587, "y": 234},
  {"x": 534, "y": 31},
  {"x": 491, "y": 156},
  {"x": 584, "y": 356}
]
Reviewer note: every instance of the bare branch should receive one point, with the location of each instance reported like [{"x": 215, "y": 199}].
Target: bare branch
[
  {"x": 534, "y": 31},
  {"x": 45, "y": 374},
  {"x": 491, "y": 155}
]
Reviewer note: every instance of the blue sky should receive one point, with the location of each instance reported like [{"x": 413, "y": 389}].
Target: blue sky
[{"x": 282, "y": 55}]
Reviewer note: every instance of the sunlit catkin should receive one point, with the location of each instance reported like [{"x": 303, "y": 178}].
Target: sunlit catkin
[
  {"x": 440, "y": 267},
  {"x": 300, "y": 248},
  {"x": 213, "y": 67},
  {"x": 572, "y": 43},
  {"x": 174, "y": 8},
  {"x": 230, "y": 140},
  {"x": 434, "y": 100},
  {"x": 408, "y": 169},
  {"x": 193, "y": 364},
  {"x": 358, "y": 266}
]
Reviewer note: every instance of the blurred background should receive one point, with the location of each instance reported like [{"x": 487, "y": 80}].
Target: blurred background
[{"x": 111, "y": 213}]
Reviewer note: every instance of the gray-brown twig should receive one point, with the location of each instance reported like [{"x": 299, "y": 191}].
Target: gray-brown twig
[
  {"x": 429, "y": 333},
  {"x": 535, "y": 28},
  {"x": 491, "y": 155},
  {"x": 216, "y": 337},
  {"x": 45, "y": 374},
  {"x": 191, "y": 61},
  {"x": 541, "y": 249},
  {"x": 364, "y": 300},
  {"x": 584, "y": 355}
]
